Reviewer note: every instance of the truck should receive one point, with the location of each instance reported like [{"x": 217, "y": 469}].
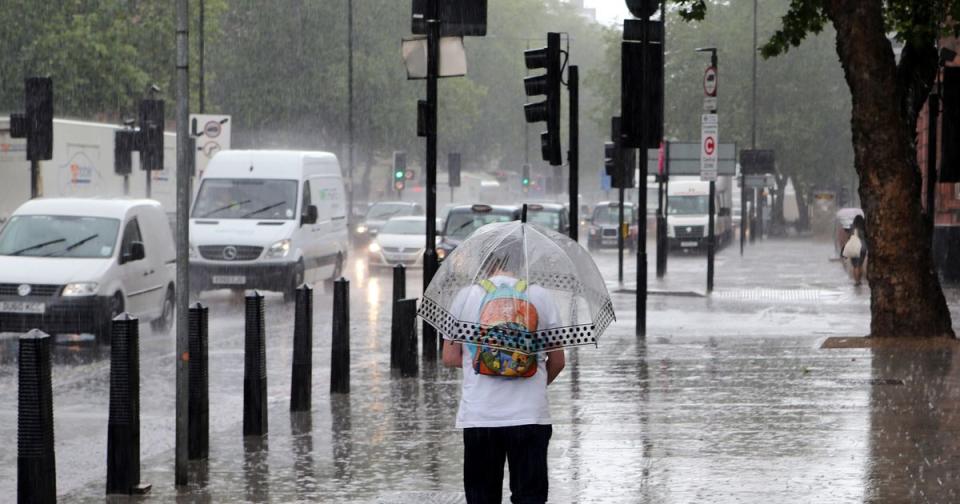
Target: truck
[
  {"x": 82, "y": 166},
  {"x": 688, "y": 205}
]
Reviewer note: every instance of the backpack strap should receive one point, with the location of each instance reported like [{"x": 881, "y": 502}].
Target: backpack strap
[{"x": 487, "y": 285}]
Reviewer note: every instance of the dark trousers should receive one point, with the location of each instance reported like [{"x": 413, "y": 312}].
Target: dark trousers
[{"x": 524, "y": 447}]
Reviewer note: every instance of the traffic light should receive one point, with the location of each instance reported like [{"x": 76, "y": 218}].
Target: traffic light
[
  {"x": 641, "y": 91},
  {"x": 124, "y": 143},
  {"x": 950, "y": 139},
  {"x": 618, "y": 161},
  {"x": 151, "y": 135},
  {"x": 453, "y": 169},
  {"x": 399, "y": 170},
  {"x": 36, "y": 124},
  {"x": 547, "y": 84},
  {"x": 525, "y": 178}
]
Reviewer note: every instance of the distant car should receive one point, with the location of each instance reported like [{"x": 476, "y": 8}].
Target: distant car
[
  {"x": 401, "y": 240},
  {"x": 604, "y": 222},
  {"x": 379, "y": 213},
  {"x": 465, "y": 219},
  {"x": 70, "y": 265},
  {"x": 549, "y": 215}
]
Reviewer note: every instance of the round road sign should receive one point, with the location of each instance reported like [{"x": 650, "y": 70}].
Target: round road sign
[
  {"x": 709, "y": 145},
  {"x": 211, "y": 129},
  {"x": 710, "y": 81}
]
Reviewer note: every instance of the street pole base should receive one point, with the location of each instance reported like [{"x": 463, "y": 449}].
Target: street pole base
[{"x": 141, "y": 489}]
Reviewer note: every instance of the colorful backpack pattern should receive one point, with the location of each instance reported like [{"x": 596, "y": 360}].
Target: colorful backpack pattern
[{"x": 504, "y": 309}]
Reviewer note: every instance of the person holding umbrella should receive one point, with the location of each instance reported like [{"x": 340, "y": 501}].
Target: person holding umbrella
[{"x": 507, "y": 301}]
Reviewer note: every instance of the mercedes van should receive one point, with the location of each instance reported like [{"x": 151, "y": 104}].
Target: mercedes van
[
  {"x": 70, "y": 265},
  {"x": 268, "y": 220}
]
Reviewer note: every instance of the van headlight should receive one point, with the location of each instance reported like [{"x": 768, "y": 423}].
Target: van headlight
[
  {"x": 374, "y": 247},
  {"x": 361, "y": 229},
  {"x": 279, "y": 249},
  {"x": 670, "y": 232},
  {"x": 80, "y": 289}
]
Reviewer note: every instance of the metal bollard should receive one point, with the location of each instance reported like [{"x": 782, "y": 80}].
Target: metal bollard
[
  {"x": 399, "y": 292},
  {"x": 36, "y": 461},
  {"x": 406, "y": 313},
  {"x": 301, "y": 385},
  {"x": 340, "y": 351},
  {"x": 254, "y": 368},
  {"x": 198, "y": 410},
  {"x": 123, "y": 424},
  {"x": 399, "y": 282}
]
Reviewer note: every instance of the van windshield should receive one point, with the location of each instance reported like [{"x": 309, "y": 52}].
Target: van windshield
[
  {"x": 688, "y": 205},
  {"x": 246, "y": 199},
  {"x": 59, "y": 236}
]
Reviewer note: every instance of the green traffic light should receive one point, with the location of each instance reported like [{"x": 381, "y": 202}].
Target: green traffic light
[
  {"x": 526, "y": 181},
  {"x": 398, "y": 174}
]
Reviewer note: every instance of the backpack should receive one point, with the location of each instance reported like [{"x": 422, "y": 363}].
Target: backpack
[
  {"x": 505, "y": 309},
  {"x": 851, "y": 250}
]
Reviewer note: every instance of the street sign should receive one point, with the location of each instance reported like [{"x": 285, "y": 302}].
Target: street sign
[
  {"x": 710, "y": 82},
  {"x": 757, "y": 161},
  {"x": 709, "y": 129},
  {"x": 212, "y": 132},
  {"x": 709, "y": 104},
  {"x": 684, "y": 159},
  {"x": 759, "y": 181}
]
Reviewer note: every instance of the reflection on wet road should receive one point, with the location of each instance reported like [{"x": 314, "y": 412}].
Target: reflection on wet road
[{"x": 729, "y": 399}]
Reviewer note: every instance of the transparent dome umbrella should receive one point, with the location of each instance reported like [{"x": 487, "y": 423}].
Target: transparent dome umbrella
[{"x": 548, "y": 267}]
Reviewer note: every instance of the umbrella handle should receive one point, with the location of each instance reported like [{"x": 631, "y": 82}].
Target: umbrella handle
[{"x": 523, "y": 214}]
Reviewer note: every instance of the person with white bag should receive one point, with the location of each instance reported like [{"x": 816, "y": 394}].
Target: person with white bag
[{"x": 855, "y": 250}]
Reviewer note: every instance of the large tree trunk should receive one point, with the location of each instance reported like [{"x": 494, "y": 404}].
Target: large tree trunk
[{"x": 905, "y": 295}]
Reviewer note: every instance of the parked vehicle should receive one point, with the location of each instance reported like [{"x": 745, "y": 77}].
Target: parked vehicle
[
  {"x": 605, "y": 221},
  {"x": 550, "y": 215},
  {"x": 70, "y": 265},
  {"x": 688, "y": 213},
  {"x": 465, "y": 219},
  {"x": 401, "y": 240},
  {"x": 379, "y": 213},
  {"x": 268, "y": 220}
]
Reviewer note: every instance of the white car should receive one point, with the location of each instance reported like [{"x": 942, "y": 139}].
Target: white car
[
  {"x": 268, "y": 220},
  {"x": 401, "y": 240},
  {"x": 70, "y": 265}
]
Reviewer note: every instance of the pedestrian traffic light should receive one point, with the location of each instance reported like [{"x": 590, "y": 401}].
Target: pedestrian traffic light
[
  {"x": 525, "y": 177},
  {"x": 151, "y": 134},
  {"x": 547, "y": 58},
  {"x": 36, "y": 123}
]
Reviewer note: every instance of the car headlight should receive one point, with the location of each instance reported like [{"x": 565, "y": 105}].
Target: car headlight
[
  {"x": 374, "y": 247},
  {"x": 670, "y": 232},
  {"x": 441, "y": 253},
  {"x": 361, "y": 229},
  {"x": 279, "y": 249},
  {"x": 80, "y": 289},
  {"x": 593, "y": 231}
]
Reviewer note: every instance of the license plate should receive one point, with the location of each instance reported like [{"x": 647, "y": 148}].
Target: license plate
[
  {"x": 22, "y": 307},
  {"x": 688, "y": 244},
  {"x": 229, "y": 279}
]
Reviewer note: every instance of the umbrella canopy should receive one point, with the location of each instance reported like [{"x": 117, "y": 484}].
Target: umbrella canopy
[{"x": 519, "y": 269}]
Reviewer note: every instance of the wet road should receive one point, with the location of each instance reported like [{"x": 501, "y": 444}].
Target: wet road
[{"x": 729, "y": 399}]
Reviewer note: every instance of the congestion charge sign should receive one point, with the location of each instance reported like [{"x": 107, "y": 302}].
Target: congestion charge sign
[{"x": 709, "y": 130}]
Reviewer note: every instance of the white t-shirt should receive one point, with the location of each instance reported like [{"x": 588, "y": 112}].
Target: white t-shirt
[{"x": 493, "y": 401}]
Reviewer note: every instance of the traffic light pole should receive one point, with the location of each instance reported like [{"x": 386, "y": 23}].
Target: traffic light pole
[
  {"x": 641, "y": 208},
  {"x": 620, "y": 239},
  {"x": 35, "y": 191},
  {"x": 573, "y": 155},
  {"x": 430, "y": 253}
]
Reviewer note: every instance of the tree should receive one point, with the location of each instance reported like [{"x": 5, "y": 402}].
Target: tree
[{"x": 905, "y": 293}]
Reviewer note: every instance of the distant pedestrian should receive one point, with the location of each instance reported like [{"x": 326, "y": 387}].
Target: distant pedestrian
[
  {"x": 856, "y": 249},
  {"x": 503, "y": 410}
]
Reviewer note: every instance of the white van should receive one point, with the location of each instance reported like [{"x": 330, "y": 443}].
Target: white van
[
  {"x": 70, "y": 265},
  {"x": 268, "y": 220},
  {"x": 688, "y": 212}
]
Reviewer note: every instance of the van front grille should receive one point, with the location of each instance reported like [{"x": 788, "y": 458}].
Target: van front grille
[
  {"x": 230, "y": 252},
  {"x": 10, "y": 289}
]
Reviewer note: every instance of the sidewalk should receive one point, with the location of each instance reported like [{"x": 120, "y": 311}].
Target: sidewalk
[{"x": 729, "y": 399}]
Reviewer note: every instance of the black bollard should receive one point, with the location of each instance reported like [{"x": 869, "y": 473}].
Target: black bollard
[
  {"x": 399, "y": 292},
  {"x": 302, "y": 374},
  {"x": 406, "y": 313},
  {"x": 198, "y": 410},
  {"x": 254, "y": 369},
  {"x": 123, "y": 424},
  {"x": 36, "y": 463},
  {"x": 340, "y": 351}
]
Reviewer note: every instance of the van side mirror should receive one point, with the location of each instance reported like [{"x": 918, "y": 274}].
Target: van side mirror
[
  {"x": 136, "y": 252},
  {"x": 309, "y": 215}
]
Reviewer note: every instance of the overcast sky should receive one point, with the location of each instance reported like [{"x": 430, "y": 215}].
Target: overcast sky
[{"x": 609, "y": 11}]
